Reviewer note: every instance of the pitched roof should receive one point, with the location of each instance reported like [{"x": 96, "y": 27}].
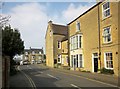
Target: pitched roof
[
  {"x": 33, "y": 49},
  {"x": 59, "y": 29},
  {"x": 36, "y": 50}
]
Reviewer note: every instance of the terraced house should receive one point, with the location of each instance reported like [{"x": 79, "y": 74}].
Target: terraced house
[
  {"x": 55, "y": 35},
  {"x": 33, "y": 55},
  {"x": 94, "y": 38}
]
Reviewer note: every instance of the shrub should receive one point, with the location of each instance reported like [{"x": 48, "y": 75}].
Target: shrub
[{"x": 106, "y": 71}]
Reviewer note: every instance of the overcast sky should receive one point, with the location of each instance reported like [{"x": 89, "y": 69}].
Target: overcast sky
[{"x": 31, "y": 18}]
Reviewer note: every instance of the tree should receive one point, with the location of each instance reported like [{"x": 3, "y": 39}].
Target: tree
[{"x": 12, "y": 44}]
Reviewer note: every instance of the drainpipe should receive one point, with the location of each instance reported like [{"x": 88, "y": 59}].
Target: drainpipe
[
  {"x": 99, "y": 47},
  {"x": 68, "y": 46}
]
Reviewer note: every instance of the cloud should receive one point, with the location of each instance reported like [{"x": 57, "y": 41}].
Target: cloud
[
  {"x": 31, "y": 20},
  {"x": 72, "y": 11}
]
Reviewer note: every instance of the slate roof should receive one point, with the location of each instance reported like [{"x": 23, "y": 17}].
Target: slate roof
[
  {"x": 59, "y": 29},
  {"x": 34, "y": 49}
]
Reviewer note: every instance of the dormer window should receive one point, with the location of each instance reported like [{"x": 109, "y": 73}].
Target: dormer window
[
  {"x": 106, "y": 9},
  {"x": 77, "y": 26}
]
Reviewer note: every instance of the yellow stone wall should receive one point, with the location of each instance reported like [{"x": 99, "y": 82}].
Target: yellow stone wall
[
  {"x": 111, "y": 21},
  {"x": 90, "y": 35},
  {"x": 49, "y": 46},
  {"x": 65, "y": 52},
  {"x": 89, "y": 28}
]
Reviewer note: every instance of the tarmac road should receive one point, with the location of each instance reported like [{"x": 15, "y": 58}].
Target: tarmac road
[{"x": 40, "y": 76}]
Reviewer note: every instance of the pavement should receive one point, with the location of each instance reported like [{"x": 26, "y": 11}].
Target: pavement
[
  {"x": 19, "y": 80},
  {"x": 106, "y": 78}
]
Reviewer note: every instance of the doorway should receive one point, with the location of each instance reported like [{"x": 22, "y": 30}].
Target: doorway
[{"x": 95, "y": 62}]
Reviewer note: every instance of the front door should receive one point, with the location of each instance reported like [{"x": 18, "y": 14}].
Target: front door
[{"x": 95, "y": 64}]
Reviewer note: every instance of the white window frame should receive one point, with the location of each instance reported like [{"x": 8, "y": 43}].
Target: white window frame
[
  {"x": 59, "y": 44},
  {"x": 59, "y": 56},
  {"x": 40, "y": 52},
  {"x": 26, "y": 53},
  {"x": 33, "y": 52},
  {"x": 106, "y": 60},
  {"x": 75, "y": 42},
  {"x": 104, "y": 11},
  {"x": 40, "y": 57},
  {"x": 106, "y": 35},
  {"x": 80, "y": 60},
  {"x": 77, "y": 26}
]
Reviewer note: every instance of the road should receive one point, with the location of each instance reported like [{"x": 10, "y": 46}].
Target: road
[{"x": 40, "y": 76}]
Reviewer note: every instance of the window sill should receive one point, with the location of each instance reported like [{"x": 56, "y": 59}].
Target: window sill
[
  {"x": 104, "y": 18},
  {"x": 109, "y": 68},
  {"x": 107, "y": 43},
  {"x": 77, "y": 49}
]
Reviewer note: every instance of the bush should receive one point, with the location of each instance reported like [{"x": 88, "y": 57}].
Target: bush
[{"x": 106, "y": 71}]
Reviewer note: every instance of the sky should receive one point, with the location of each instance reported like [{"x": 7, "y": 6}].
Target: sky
[{"x": 31, "y": 18}]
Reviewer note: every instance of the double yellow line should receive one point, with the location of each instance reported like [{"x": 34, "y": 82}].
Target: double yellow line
[{"x": 30, "y": 80}]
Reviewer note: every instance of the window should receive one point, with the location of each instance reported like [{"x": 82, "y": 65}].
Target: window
[
  {"x": 39, "y": 52},
  {"x": 59, "y": 58},
  {"x": 59, "y": 44},
  {"x": 79, "y": 42},
  {"x": 107, "y": 35},
  {"x": 80, "y": 60},
  {"x": 78, "y": 26},
  {"x": 40, "y": 57},
  {"x": 71, "y": 60},
  {"x": 33, "y": 57},
  {"x": 33, "y": 52},
  {"x": 77, "y": 60},
  {"x": 50, "y": 32},
  {"x": 75, "y": 42},
  {"x": 108, "y": 60},
  {"x": 106, "y": 9},
  {"x": 26, "y": 53}
]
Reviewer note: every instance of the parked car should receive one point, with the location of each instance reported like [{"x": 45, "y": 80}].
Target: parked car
[
  {"x": 39, "y": 61},
  {"x": 21, "y": 62},
  {"x": 25, "y": 62},
  {"x": 33, "y": 61}
]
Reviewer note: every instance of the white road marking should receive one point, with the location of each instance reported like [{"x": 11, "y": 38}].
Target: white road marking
[
  {"x": 89, "y": 79},
  {"x": 52, "y": 76},
  {"x": 29, "y": 79},
  {"x": 75, "y": 86}
]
